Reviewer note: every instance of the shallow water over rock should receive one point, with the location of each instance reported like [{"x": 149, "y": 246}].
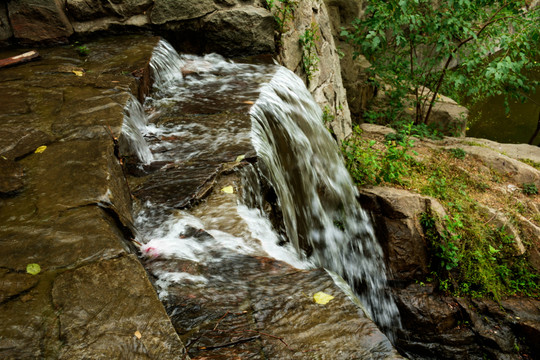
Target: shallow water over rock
[{"x": 232, "y": 286}]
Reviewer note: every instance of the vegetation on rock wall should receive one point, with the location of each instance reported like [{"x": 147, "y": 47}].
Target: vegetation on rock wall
[
  {"x": 412, "y": 44},
  {"x": 283, "y": 11},
  {"x": 475, "y": 255},
  {"x": 310, "y": 59}
]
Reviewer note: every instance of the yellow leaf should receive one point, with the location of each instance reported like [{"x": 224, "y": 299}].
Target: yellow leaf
[
  {"x": 240, "y": 158},
  {"x": 33, "y": 269},
  {"x": 228, "y": 190},
  {"x": 40, "y": 149},
  {"x": 138, "y": 334},
  {"x": 322, "y": 298},
  {"x": 78, "y": 72}
]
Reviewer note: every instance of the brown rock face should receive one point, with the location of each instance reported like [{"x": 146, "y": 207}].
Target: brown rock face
[
  {"x": 5, "y": 27},
  {"x": 436, "y": 326},
  {"x": 11, "y": 177},
  {"x": 397, "y": 217},
  {"x": 93, "y": 302},
  {"x": 39, "y": 21}
]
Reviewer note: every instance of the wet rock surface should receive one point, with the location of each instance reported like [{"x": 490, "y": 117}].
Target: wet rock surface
[
  {"x": 260, "y": 308},
  {"x": 226, "y": 297},
  {"x": 445, "y": 327},
  {"x": 66, "y": 207}
]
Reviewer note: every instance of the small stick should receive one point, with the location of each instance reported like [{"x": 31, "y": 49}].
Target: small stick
[
  {"x": 221, "y": 318},
  {"x": 230, "y": 343}
]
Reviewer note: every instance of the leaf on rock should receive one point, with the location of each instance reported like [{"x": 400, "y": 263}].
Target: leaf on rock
[
  {"x": 138, "y": 334},
  {"x": 322, "y": 298},
  {"x": 40, "y": 149},
  {"x": 33, "y": 269},
  {"x": 240, "y": 158},
  {"x": 228, "y": 190},
  {"x": 78, "y": 72}
]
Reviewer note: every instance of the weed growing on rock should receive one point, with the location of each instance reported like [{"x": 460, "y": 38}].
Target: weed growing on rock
[
  {"x": 310, "y": 59},
  {"x": 369, "y": 164},
  {"x": 82, "y": 50},
  {"x": 458, "y": 153},
  {"x": 283, "y": 12},
  {"x": 473, "y": 254},
  {"x": 530, "y": 189}
]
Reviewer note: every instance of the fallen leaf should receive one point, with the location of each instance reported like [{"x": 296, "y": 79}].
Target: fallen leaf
[
  {"x": 78, "y": 72},
  {"x": 248, "y": 102},
  {"x": 228, "y": 190},
  {"x": 33, "y": 269},
  {"x": 138, "y": 334},
  {"x": 240, "y": 158},
  {"x": 322, "y": 298},
  {"x": 40, "y": 149}
]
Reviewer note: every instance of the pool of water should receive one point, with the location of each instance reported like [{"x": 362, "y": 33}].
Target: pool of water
[{"x": 488, "y": 119}]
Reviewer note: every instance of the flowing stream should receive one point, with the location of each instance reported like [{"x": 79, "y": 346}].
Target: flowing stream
[{"x": 322, "y": 222}]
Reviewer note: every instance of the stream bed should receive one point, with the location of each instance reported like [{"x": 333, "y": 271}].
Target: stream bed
[{"x": 207, "y": 214}]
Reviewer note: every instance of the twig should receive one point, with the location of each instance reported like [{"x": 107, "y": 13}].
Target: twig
[
  {"x": 241, "y": 341},
  {"x": 221, "y": 318}
]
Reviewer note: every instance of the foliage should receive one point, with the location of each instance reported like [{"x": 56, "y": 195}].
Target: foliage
[
  {"x": 283, "y": 12},
  {"x": 470, "y": 255},
  {"x": 458, "y": 153},
  {"x": 310, "y": 59},
  {"x": 412, "y": 44},
  {"x": 370, "y": 165},
  {"x": 530, "y": 189},
  {"x": 82, "y": 50}
]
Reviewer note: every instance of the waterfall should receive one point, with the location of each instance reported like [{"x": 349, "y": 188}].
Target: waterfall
[
  {"x": 316, "y": 194},
  {"x": 297, "y": 157},
  {"x": 133, "y": 126}
]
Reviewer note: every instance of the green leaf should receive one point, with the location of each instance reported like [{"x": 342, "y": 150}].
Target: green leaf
[{"x": 33, "y": 269}]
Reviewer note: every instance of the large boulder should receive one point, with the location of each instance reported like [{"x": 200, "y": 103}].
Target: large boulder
[
  {"x": 397, "y": 215},
  {"x": 325, "y": 82},
  {"x": 166, "y": 10},
  {"x": 81, "y": 10},
  {"x": 441, "y": 326},
  {"x": 38, "y": 21},
  {"x": 5, "y": 28},
  {"x": 233, "y": 31},
  {"x": 509, "y": 160}
]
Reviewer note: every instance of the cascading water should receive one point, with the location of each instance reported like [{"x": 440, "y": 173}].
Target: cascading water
[
  {"x": 317, "y": 198},
  {"x": 133, "y": 127},
  {"x": 316, "y": 194}
]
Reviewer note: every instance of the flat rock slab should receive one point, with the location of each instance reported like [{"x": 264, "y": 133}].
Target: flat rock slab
[
  {"x": 121, "y": 320},
  {"x": 261, "y": 308},
  {"x": 68, "y": 209}
]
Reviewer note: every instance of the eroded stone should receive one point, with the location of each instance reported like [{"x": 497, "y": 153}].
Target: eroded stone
[
  {"x": 39, "y": 21},
  {"x": 104, "y": 304},
  {"x": 11, "y": 177}
]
